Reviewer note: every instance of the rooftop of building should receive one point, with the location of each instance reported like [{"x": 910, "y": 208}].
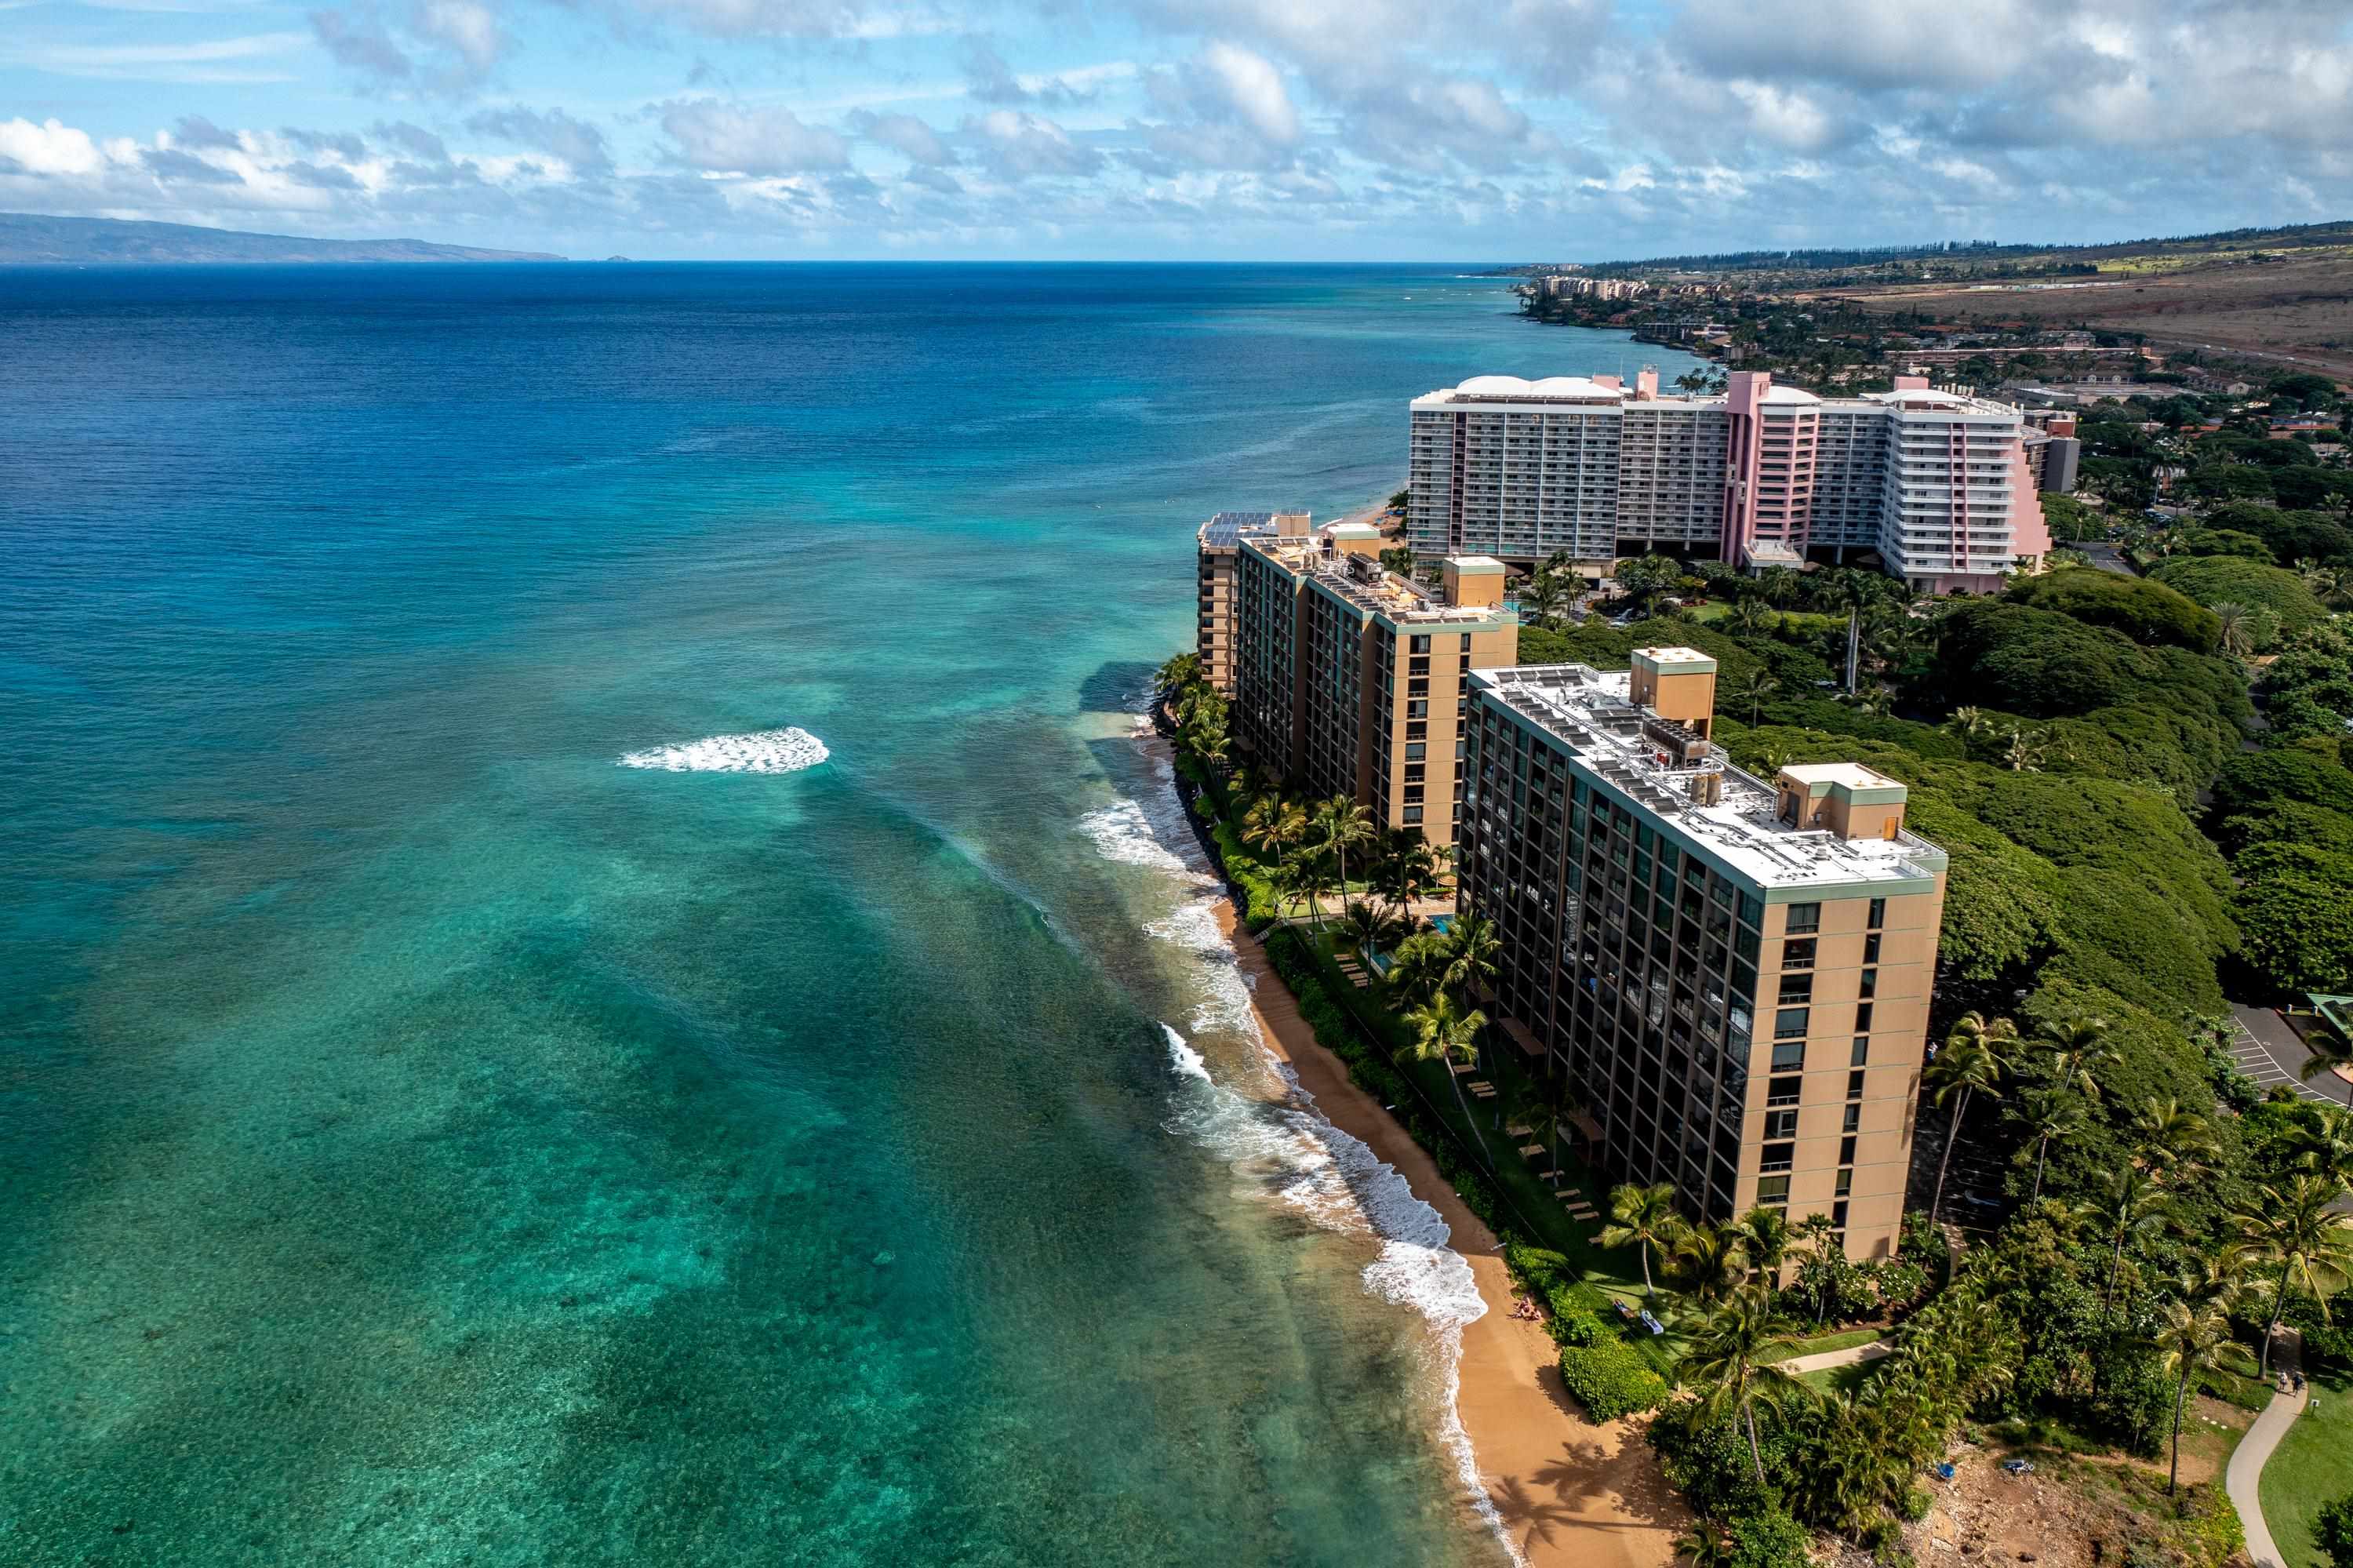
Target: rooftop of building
[
  {"x": 1595, "y": 391},
  {"x": 1224, "y": 529},
  {"x": 1361, "y": 580},
  {"x": 1666, "y": 767}
]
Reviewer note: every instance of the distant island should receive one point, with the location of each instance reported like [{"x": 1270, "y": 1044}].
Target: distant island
[{"x": 30, "y": 240}]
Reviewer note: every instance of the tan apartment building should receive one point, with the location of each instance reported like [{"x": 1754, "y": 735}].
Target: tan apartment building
[
  {"x": 1219, "y": 552},
  {"x": 1350, "y": 680},
  {"x": 1735, "y": 973}
]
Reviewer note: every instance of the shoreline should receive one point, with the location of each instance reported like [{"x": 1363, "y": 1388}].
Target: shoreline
[{"x": 1566, "y": 1490}]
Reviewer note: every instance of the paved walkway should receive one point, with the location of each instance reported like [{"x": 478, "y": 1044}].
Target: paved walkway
[
  {"x": 2267, "y": 1051},
  {"x": 2247, "y": 1460},
  {"x": 1847, "y": 1357}
]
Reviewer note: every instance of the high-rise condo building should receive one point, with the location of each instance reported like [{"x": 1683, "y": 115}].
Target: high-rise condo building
[
  {"x": 1935, "y": 483},
  {"x": 1219, "y": 550},
  {"x": 1735, "y": 972},
  {"x": 1350, "y": 680}
]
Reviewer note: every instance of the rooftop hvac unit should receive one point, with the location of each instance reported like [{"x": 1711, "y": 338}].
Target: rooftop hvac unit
[{"x": 1707, "y": 789}]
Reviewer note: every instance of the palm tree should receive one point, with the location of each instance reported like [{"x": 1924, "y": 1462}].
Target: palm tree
[
  {"x": 2054, "y": 1116},
  {"x": 1291, "y": 880},
  {"x": 2330, "y": 1051},
  {"x": 1542, "y": 597},
  {"x": 1967, "y": 1065},
  {"x": 1753, "y": 691},
  {"x": 1407, "y": 869},
  {"x": 1273, "y": 826},
  {"x": 2325, "y": 1145},
  {"x": 1546, "y": 1105},
  {"x": 1711, "y": 1262},
  {"x": 1176, "y": 674},
  {"x": 2298, "y": 1229},
  {"x": 1646, "y": 1217},
  {"x": 1734, "y": 1360},
  {"x": 1343, "y": 822},
  {"x": 1415, "y": 965},
  {"x": 2188, "y": 1336},
  {"x": 1472, "y": 951},
  {"x": 1819, "y": 1232},
  {"x": 1969, "y": 722},
  {"x": 2023, "y": 751},
  {"x": 1766, "y": 1237},
  {"x": 2131, "y": 1206},
  {"x": 2076, "y": 1049},
  {"x": 1753, "y": 616},
  {"x": 2171, "y": 1140},
  {"x": 1444, "y": 1034},
  {"x": 1367, "y": 925},
  {"x": 1314, "y": 879},
  {"x": 2238, "y": 627}
]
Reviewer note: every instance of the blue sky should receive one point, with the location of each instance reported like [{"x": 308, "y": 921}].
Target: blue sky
[{"x": 1217, "y": 129}]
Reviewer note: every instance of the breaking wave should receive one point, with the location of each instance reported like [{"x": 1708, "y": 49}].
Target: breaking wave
[{"x": 764, "y": 751}]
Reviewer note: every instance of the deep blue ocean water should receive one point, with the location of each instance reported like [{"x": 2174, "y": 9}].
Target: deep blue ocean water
[{"x": 424, "y": 1140}]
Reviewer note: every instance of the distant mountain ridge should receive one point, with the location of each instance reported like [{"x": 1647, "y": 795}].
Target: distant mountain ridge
[{"x": 32, "y": 239}]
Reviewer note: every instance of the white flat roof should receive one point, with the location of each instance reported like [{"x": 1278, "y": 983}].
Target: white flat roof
[
  {"x": 1592, "y": 716},
  {"x": 1853, "y": 774}
]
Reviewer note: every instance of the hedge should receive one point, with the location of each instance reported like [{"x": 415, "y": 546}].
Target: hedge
[{"x": 1611, "y": 1380}]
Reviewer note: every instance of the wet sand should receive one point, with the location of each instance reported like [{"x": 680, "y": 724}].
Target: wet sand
[{"x": 1568, "y": 1491}]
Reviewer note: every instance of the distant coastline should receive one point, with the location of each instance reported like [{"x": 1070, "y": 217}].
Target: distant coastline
[{"x": 33, "y": 239}]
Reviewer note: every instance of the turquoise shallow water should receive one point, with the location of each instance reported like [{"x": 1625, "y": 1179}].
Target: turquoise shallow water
[{"x": 425, "y": 1140}]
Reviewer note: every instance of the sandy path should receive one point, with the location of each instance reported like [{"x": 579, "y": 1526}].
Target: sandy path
[{"x": 1569, "y": 1491}]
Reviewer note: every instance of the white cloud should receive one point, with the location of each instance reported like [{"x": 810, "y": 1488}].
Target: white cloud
[
  {"x": 1019, "y": 145},
  {"x": 49, "y": 148},
  {"x": 736, "y": 138}
]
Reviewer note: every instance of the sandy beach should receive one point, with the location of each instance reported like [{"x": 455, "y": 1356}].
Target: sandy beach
[{"x": 1568, "y": 1490}]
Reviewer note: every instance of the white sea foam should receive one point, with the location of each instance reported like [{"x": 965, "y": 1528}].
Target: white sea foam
[
  {"x": 1122, "y": 832},
  {"x": 766, "y": 751}
]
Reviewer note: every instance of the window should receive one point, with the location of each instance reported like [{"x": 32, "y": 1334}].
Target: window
[
  {"x": 1783, "y": 1091},
  {"x": 1846, "y": 1182},
  {"x": 1878, "y": 914},
  {"x": 1779, "y": 1156},
  {"x": 1869, "y": 984},
  {"x": 1854, "y": 1084},
  {"x": 1788, "y": 1022},
  {"x": 1863, "y": 1018},
  {"x": 1853, "y": 1119},
  {"x": 1773, "y": 1189},
  {"x": 1861, "y": 1052},
  {"x": 1838, "y": 1212},
  {"x": 1804, "y": 918},
  {"x": 1846, "y": 1151},
  {"x": 1796, "y": 988},
  {"x": 1417, "y": 750},
  {"x": 1798, "y": 955},
  {"x": 1781, "y": 1124},
  {"x": 1870, "y": 948},
  {"x": 1420, "y": 645},
  {"x": 1788, "y": 1056}
]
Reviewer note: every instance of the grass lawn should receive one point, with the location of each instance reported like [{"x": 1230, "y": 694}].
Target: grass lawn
[
  {"x": 1823, "y": 1343},
  {"x": 2312, "y": 1467}
]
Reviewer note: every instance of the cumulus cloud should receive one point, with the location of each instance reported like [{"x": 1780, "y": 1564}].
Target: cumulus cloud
[
  {"x": 48, "y": 148},
  {"x": 734, "y": 138},
  {"x": 905, "y": 134},
  {"x": 579, "y": 143},
  {"x": 1019, "y": 145}
]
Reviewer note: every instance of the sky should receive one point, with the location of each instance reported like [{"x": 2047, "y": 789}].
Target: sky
[{"x": 1290, "y": 129}]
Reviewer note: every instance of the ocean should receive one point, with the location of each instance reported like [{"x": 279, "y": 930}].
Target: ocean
[{"x": 595, "y": 967}]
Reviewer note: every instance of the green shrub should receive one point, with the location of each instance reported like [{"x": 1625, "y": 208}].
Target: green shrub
[
  {"x": 2333, "y": 1531},
  {"x": 1610, "y": 1380},
  {"x": 2145, "y": 611},
  {"x": 2228, "y": 579},
  {"x": 1917, "y": 1504},
  {"x": 1771, "y": 1539},
  {"x": 1578, "y": 1329}
]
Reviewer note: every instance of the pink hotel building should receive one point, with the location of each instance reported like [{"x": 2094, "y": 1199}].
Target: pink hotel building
[{"x": 1935, "y": 483}]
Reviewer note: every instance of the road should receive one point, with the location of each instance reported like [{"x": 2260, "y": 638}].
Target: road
[
  {"x": 2107, "y": 557},
  {"x": 2267, "y": 1051}
]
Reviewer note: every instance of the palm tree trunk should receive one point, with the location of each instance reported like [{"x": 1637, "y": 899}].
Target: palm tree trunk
[
  {"x": 2040, "y": 1149},
  {"x": 2116, "y": 1266},
  {"x": 1952, "y": 1137},
  {"x": 2180, "y": 1394},
  {"x": 2279, "y": 1305},
  {"x": 1748, "y": 1416},
  {"x": 1647, "y": 1289}
]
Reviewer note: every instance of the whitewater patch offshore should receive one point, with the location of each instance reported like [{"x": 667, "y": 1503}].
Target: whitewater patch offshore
[{"x": 785, "y": 750}]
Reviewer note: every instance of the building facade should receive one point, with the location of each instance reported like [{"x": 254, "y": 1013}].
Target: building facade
[
  {"x": 1735, "y": 973},
  {"x": 1350, "y": 680},
  {"x": 1219, "y": 555},
  {"x": 1935, "y": 483}
]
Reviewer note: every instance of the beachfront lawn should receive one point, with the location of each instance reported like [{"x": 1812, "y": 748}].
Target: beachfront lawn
[
  {"x": 1822, "y": 1344},
  {"x": 2309, "y": 1470}
]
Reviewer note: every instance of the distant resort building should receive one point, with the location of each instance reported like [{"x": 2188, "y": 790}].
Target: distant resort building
[{"x": 1936, "y": 484}]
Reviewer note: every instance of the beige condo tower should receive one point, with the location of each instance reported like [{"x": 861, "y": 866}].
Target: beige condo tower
[{"x": 1735, "y": 973}]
